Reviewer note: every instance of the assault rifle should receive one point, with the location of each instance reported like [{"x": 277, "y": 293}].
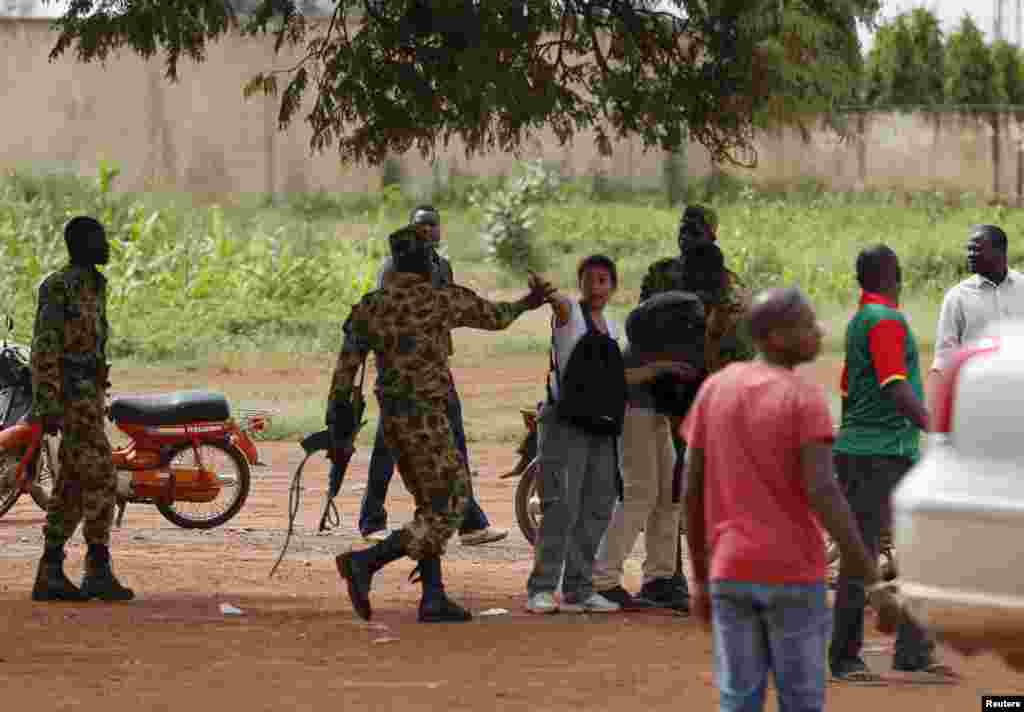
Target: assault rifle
[{"x": 343, "y": 447}]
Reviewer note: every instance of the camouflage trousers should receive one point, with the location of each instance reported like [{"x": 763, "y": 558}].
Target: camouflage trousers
[
  {"x": 435, "y": 474},
  {"x": 86, "y": 483}
]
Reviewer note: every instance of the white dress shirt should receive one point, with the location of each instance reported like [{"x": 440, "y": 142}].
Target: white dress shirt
[{"x": 971, "y": 307}]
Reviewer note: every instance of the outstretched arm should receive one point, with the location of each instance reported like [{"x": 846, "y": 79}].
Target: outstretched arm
[
  {"x": 466, "y": 308},
  {"x": 469, "y": 309}
]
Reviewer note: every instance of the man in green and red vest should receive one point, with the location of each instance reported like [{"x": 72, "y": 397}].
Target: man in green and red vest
[{"x": 878, "y": 442}]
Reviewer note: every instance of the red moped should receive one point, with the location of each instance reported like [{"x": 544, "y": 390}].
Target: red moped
[{"x": 185, "y": 454}]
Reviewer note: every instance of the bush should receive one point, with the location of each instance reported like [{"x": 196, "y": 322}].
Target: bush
[
  {"x": 181, "y": 280},
  {"x": 510, "y": 215},
  {"x": 188, "y": 281}
]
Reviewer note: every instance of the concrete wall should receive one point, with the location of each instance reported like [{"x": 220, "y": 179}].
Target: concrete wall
[
  {"x": 201, "y": 136},
  {"x": 950, "y": 152}
]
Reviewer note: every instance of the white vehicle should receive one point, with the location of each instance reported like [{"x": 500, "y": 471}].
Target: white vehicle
[{"x": 958, "y": 515}]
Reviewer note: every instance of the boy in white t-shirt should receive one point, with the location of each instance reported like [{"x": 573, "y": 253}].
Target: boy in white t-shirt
[{"x": 578, "y": 472}]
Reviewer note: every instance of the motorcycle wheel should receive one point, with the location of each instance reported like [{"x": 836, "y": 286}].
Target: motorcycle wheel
[
  {"x": 528, "y": 514},
  {"x": 186, "y": 514},
  {"x": 46, "y": 472}
]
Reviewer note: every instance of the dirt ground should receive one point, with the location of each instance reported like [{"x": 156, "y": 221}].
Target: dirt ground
[{"x": 297, "y": 644}]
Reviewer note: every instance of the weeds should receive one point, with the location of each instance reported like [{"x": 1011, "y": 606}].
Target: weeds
[{"x": 187, "y": 281}]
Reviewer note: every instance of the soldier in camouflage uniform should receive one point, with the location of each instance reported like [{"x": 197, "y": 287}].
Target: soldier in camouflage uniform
[
  {"x": 476, "y": 528},
  {"x": 69, "y": 382},
  {"x": 407, "y": 325}
]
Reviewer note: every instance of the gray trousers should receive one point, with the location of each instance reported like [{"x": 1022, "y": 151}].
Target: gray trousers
[{"x": 578, "y": 488}]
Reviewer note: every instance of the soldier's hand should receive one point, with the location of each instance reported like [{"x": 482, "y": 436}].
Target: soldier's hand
[{"x": 540, "y": 292}]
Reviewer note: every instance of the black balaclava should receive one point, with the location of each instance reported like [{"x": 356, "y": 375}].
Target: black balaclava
[
  {"x": 410, "y": 250},
  {"x": 86, "y": 241}
]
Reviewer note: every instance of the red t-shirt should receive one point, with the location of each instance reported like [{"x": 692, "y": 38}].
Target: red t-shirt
[{"x": 751, "y": 419}]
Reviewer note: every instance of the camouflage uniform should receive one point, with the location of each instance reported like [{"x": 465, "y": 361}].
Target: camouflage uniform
[
  {"x": 441, "y": 275},
  {"x": 69, "y": 380},
  {"x": 407, "y": 325}
]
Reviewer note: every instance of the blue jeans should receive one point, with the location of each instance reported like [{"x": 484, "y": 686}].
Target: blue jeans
[
  {"x": 757, "y": 627},
  {"x": 372, "y": 515}
]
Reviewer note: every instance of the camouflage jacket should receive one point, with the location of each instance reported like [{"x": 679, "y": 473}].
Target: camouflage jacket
[
  {"x": 407, "y": 325},
  {"x": 733, "y": 340},
  {"x": 69, "y": 341},
  {"x": 734, "y": 343},
  {"x": 441, "y": 276}
]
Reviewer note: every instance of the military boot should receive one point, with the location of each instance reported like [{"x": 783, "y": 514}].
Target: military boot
[
  {"x": 51, "y": 583},
  {"x": 358, "y": 568},
  {"x": 435, "y": 606},
  {"x": 99, "y": 581}
]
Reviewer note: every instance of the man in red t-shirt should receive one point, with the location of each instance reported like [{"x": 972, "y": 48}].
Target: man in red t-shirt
[{"x": 759, "y": 481}]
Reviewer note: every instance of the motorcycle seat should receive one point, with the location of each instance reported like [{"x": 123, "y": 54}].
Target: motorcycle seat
[{"x": 176, "y": 408}]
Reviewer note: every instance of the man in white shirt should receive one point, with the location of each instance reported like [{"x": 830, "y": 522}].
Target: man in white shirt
[{"x": 993, "y": 293}]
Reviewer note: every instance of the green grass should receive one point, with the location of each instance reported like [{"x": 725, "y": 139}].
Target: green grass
[{"x": 248, "y": 283}]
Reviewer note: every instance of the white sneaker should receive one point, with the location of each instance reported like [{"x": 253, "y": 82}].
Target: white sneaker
[
  {"x": 542, "y": 603},
  {"x": 483, "y": 536},
  {"x": 594, "y": 603}
]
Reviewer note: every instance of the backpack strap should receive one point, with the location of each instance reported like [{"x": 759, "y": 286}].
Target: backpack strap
[
  {"x": 552, "y": 368},
  {"x": 587, "y": 317},
  {"x": 553, "y": 364}
]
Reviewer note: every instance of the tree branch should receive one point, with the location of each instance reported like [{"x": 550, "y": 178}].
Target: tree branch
[{"x": 598, "y": 54}]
